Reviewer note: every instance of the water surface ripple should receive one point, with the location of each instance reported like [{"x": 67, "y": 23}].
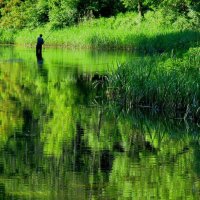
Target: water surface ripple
[{"x": 58, "y": 140}]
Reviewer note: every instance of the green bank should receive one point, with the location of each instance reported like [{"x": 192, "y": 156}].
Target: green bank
[
  {"x": 168, "y": 82},
  {"x": 154, "y": 33},
  {"x": 164, "y": 35}
]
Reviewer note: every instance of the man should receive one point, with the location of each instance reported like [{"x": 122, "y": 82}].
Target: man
[{"x": 39, "y": 44}]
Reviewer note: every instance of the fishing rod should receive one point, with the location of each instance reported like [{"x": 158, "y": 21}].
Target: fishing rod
[{"x": 50, "y": 33}]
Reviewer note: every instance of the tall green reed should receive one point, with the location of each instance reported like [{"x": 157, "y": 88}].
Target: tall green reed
[
  {"x": 160, "y": 83},
  {"x": 125, "y": 31}
]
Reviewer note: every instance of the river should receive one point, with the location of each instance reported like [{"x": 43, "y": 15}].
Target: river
[{"x": 59, "y": 139}]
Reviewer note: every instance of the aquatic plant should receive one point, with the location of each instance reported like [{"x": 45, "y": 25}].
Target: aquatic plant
[{"x": 159, "y": 83}]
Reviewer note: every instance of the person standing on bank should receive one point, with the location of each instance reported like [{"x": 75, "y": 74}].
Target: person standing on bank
[{"x": 39, "y": 44}]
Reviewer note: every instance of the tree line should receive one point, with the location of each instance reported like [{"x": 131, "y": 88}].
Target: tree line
[{"x": 20, "y": 14}]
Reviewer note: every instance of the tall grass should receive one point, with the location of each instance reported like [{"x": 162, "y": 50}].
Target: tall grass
[
  {"x": 160, "y": 83},
  {"x": 125, "y": 31},
  {"x": 7, "y": 36}
]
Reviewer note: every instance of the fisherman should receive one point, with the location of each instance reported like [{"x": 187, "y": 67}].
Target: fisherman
[{"x": 39, "y": 44}]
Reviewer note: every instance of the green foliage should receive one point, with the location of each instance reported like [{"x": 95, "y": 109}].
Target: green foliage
[
  {"x": 132, "y": 4},
  {"x": 62, "y": 13},
  {"x": 12, "y": 15},
  {"x": 59, "y": 14},
  {"x": 181, "y": 6},
  {"x": 105, "y": 8},
  {"x": 7, "y": 36},
  {"x": 160, "y": 84},
  {"x": 38, "y": 15},
  {"x": 156, "y": 33},
  {"x": 141, "y": 5}
]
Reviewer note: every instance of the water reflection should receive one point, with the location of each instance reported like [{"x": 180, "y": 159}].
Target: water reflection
[
  {"x": 39, "y": 60},
  {"x": 56, "y": 144}
]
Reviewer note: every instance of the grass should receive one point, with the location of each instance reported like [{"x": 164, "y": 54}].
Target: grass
[
  {"x": 125, "y": 32},
  {"x": 160, "y": 83}
]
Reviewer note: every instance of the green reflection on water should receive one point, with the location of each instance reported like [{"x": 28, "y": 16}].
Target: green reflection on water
[{"x": 56, "y": 144}]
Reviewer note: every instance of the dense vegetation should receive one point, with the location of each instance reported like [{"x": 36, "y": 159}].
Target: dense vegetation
[
  {"x": 20, "y": 14},
  {"x": 52, "y": 140},
  {"x": 166, "y": 30},
  {"x": 101, "y": 23},
  {"x": 169, "y": 83}
]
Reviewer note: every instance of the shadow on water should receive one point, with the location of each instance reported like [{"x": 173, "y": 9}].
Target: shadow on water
[
  {"x": 42, "y": 71},
  {"x": 80, "y": 161},
  {"x": 40, "y": 59},
  {"x": 81, "y": 150}
]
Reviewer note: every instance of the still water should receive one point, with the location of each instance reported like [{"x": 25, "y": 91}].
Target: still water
[{"x": 60, "y": 140}]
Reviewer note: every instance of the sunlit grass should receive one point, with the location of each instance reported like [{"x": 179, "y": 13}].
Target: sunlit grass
[
  {"x": 122, "y": 32},
  {"x": 159, "y": 83}
]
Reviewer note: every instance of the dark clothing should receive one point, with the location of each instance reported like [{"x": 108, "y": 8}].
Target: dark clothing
[
  {"x": 39, "y": 50},
  {"x": 40, "y": 41},
  {"x": 39, "y": 44}
]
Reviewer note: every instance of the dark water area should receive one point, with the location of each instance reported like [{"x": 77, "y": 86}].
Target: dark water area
[{"x": 59, "y": 140}]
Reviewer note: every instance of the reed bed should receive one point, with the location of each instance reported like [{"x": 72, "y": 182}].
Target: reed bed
[
  {"x": 7, "y": 36},
  {"x": 161, "y": 83},
  {"x": 125, "y": 32}
]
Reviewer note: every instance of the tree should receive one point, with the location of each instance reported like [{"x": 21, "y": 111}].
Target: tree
[
  {"x": 181, "y": 6},
  {"x": 62, "y": 12},
  {"x": 141, "y": 5},
  {"x": 105, "y": 8}
]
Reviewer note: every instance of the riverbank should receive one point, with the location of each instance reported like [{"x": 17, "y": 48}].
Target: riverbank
[
  {"x": 167, "y": 83},
  {"x": 166, "y": 78},
  {"x": 124, "y": 32}
]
